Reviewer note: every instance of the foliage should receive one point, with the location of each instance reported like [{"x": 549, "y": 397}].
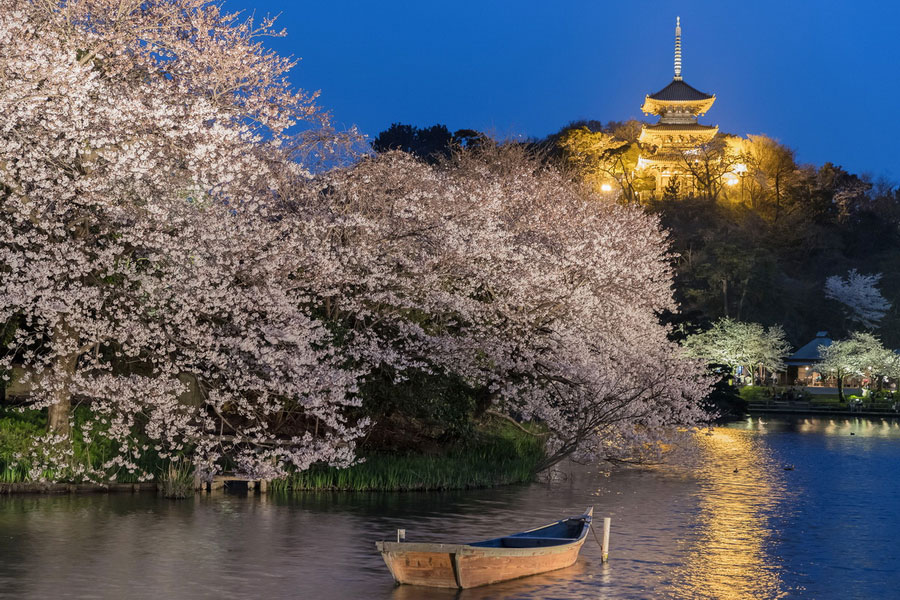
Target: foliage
[
  {"x": 735, "y": 344},
  {"x": 27, "y": 453},
  {"x": 601, "y": 158},
  {"x": 495, "y": 455},
  {"x": 537, "y": 295},
  {"x": 709, "y": 163},
  {"x": 431, "y": 144},
  {"x": 860, "y": 354},
  {"x": 754, "y": 393},
  {"x": 766, "y": 259},
  {"x": 176, "y": 480},
  {"x": 137, "y": 240},
  {"x": 861, "y": 299},
  {"x": 724, "y": 399}
]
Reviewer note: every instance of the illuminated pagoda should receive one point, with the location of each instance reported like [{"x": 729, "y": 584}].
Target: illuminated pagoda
[{"x": 669, "y": 143}]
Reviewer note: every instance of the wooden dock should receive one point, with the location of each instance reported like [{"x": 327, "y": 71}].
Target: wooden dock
[{"x": 221, "y": 481}]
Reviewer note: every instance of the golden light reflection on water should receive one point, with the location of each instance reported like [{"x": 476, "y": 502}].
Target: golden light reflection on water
[{"x": 741, "y": 486}]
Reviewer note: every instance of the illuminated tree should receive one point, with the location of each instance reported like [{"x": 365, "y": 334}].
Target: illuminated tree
[
  {"x": 860, "y": 354},
  {"x": 602, "y": 159},
  {"x": 771, "y": 171},
  {"x": 142, "y": 147},
  {"x": 738, "y": 344},
  {"x": 709, "y": 163},
  {"x": 537, "y": 293}
]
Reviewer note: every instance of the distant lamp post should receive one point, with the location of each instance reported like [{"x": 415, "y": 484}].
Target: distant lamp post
[
  {"x": 740, "y": 170},
  {"x": 605, "y": 188}
]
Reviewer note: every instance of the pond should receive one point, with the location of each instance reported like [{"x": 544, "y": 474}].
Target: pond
[{"x": 734, "y": 524}]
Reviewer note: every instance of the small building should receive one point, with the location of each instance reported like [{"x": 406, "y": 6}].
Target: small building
[{"x": 801, "y": 365}]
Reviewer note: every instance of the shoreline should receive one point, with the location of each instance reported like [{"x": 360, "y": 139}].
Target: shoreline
[
  {"x": 30, "y": 487},
  {"x": 819, "y": 412}
]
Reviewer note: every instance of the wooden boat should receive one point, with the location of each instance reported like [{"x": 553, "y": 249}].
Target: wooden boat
[{"x": 545, "y": 548}]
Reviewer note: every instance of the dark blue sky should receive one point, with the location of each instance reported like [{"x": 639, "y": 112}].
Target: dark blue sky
[{"x": 822, "y": 77}]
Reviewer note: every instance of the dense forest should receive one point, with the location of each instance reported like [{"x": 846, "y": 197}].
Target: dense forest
[{"x": 756, "y": 248}]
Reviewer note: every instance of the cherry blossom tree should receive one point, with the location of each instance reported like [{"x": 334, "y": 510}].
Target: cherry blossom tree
[
  {"x": 861, "y": 299},
  {"x": 860, "y": 354},
  {"x": 736, "y": 344},
  {"x": 525, "y": 284},
  {"x": 140, "y": 149}
]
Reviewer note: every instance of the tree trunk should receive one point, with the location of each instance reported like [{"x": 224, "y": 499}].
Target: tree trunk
[
  {"x": 64, "y": 369},
  {"x": 840, "y": 382},
  {"x": 725, "y": 296},
  {"x": 740, "y": 306}
]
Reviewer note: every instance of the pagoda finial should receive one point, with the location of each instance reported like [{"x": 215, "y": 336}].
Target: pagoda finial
[{"x": 677, "y": 48}]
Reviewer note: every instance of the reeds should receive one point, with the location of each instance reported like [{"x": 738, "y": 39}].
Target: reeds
[
  {"x": 16, "y": 435},
  {"x": 501, "y": 455},
  {"x": 176, "y": 480}
]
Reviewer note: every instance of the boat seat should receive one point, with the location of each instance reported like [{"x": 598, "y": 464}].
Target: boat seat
[{"x": 524, "y": 541}]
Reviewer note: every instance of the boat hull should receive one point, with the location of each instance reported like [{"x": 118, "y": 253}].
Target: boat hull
[{"x": 463, "y": 566}]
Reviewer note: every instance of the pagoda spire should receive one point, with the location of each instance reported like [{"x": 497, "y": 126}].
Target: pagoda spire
[{"x": 677, "y": 48}]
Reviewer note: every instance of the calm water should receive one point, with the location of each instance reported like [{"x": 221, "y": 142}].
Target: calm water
[{"x": 829, "y": 528}]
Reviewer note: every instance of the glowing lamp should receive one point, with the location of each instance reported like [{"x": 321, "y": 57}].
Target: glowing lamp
[{"x": 605, "y": 188}]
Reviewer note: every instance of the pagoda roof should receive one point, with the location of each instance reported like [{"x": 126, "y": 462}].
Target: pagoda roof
[
  {"x": 680, "y": 127},
  {"x": 679, "y": 91},
  {"x": 678, "y": 133}
]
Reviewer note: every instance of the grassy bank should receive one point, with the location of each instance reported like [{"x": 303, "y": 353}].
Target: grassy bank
[{"x": 498, "y": 454}]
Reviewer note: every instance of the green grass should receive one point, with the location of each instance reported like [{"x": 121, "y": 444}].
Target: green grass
[
  {"x": 500, "y": 454},
  {"x": 15, "y": 439},
  {"x": 19, "y": 429},
  {"x": 754, "y": 393}
]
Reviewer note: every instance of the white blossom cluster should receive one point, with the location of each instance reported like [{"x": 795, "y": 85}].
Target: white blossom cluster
[{"x": 861, "y": 299}]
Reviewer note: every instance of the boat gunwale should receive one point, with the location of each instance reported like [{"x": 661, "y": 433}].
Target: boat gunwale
[
  {"x": 470, "y": 550},
  {"x": 466, "y": 550}
]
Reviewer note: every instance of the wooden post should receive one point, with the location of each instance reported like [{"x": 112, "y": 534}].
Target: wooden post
[{"x": 604, "y": 547}]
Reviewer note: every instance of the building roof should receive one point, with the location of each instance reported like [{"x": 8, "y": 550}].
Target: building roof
[
  {"x": 679, "y": 91},
  {"x": 809, "y": 353},
  {"x": 680, "y": 127}
]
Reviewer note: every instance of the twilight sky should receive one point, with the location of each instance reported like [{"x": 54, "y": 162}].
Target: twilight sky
[{"x": 821, "y": 76}]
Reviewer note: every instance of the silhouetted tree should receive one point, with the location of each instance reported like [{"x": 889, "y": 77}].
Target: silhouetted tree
[{"x": 431, "y": 144}]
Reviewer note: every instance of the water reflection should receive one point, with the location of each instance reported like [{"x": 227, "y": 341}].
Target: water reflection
[
  {"x": 730, "y": 557},
  {"x": 888, "y": 428},
  {"x": 826, "y": 529}
]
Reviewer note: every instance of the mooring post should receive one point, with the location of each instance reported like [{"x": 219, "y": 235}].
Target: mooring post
[
  {"x": 604, "y": 547},
  {"x": 401, "y": 535}
]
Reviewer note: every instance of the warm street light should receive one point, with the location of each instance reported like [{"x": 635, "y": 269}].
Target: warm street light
[
  {"x": 605, "y": 188},
  {"x": 740, "y": 170}
]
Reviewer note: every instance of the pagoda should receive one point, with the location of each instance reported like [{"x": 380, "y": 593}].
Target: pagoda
[{"x": 668, "y": 144}]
